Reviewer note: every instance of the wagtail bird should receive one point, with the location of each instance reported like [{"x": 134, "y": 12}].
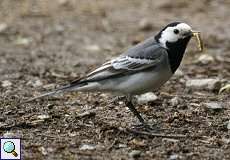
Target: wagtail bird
[{"x": 142, "y": 68}]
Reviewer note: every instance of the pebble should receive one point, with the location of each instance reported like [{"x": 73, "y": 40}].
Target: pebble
[
  {"x": 145, "y": 98},
  {"x": 22, "y": 41},
  {"x": 59, "y": 28},
  {"x": 3, "y": 27},
  {"x": 226, "y": 140},
  {"x": 43, "y": 116},
  {"x": 122, "y": 146},
  {"x": 137, "y": 142},
  {"x": 175, "y": 101},
  {"x": 179, "y": 73},
  {"x": 173, "y": 157},
  {"x": 66, "y": 3},
  {"x": 93, "y": 48},
  {"x": 9, "y": 135},
  {"x": 213, "y": 105},
  {"x": 228, "y": 125},
  {"x": 43, "y": 150},
  {"x": 170, "y": 140},
  {"x": 194, "y": 104},
  {"x": 36, "y": 122},
  {"x": 87, "y": 147},
  {"x": 73, "y": 134},
  {"x": 37, "y": 83},
  {"x": 145, "y": 25},
  {"x": 2, "y": 124},
  {"x": 34, "y": 83},
  {"x": 49, "y": 86},
  {"x": 205, "y": 59},
  {"x": 134, "y": 154},
  {"x": 203, "y": 84},
  {"x": 6, "y": 83}
]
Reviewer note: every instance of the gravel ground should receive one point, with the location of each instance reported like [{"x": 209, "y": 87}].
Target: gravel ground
[{"x": 44, "y": 45}]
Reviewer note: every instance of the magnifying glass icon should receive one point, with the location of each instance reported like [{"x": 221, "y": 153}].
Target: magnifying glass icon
[{"x": 9, "y": 147}]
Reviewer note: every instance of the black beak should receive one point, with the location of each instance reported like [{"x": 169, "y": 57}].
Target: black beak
[{"x": 189, "y": 34}]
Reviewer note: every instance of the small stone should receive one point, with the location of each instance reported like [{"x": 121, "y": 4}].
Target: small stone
[
  {"x": 107, "y": 27},
  {"x": 59, "y": 28},
  {"x": 43, "y": 150},
  {"x": 173, "y": 157},
  {"x": 50, "y": 106},
  {"x": 2, "y": 124},
  {"x": 122, "y": 146},
  {"x": 145, "y": 25},
  {"x": 36, "y": 122},
  {"x": 72, "y": 134},
  {"x": 203, "y": 84},
  {"x": 194, "y": 104},
  {"x": 226, "y": 140},
  {"x": 93, "y": 48},
  {"x": 87, "y": 147},
  {"x": 175, "y": 101},
  {"x": 228, "y": 125},
  {"x": 9, "y": 135},
  {"x": 63, "y": 2},
  {"x": 49, "y": 86},
  {"x": 145, "y": 98},
  {"x": 205, "y": 59},
  {"x": 6, "y": 83},
  {"x": 120, "y": 102},
  {"x": 3, "y": 27},
  {"x": 137, "y": 142},
  {"x": 214, "y": 106},
  {"x": 135, "y": 154},
  {"x": 37, "y": 83},
  {"x": 55, "y": 74},
  {"x": 179, "y": 73},
  {"x": 43, "y": 116},
  {"x": 170, "y": 140},
  {"x": 34, "y": 83},
  {"x": 22, "y": 41}
]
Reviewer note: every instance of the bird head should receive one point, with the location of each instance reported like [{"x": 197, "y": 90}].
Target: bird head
[
  {"x": 174, "y": 37},
  {"x": 174, "y": 33}
]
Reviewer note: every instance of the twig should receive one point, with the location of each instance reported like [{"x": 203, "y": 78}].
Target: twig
[
  {"x": 150, "y": 134},
  {"x": 90, "y": 113}
]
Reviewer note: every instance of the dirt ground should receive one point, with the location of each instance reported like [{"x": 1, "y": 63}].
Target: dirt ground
[{"x": 44, "y": 44}]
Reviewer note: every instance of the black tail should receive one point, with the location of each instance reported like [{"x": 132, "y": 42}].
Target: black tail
[{"x": 57, "y": 91}]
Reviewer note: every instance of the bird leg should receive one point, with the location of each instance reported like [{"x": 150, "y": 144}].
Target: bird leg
[
  {"x": 152, "y": 128},
  {"x": 131, "y": 107}
]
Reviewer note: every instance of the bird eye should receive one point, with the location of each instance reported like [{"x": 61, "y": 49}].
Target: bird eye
[{"x": 176, "y": 31}]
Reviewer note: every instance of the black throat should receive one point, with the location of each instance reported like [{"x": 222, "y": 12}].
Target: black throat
[{"x": 176, "y": 52}]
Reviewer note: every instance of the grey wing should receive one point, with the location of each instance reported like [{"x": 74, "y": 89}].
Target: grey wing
[{"x": 128, "y": 64}]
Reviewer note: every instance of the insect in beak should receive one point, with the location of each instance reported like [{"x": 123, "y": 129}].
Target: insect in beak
[{"x": 199, "y": 41}]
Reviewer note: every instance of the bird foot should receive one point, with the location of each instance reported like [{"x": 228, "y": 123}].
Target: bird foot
[
  {"x": 147, "y": 127},
  {"x": 117, "y": 99}
]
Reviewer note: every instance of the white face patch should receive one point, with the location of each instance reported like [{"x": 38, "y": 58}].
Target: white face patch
[{"x": 169, "y": 34}]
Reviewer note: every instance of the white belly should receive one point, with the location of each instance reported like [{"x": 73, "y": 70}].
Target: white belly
[{"x": 144, "y": 82}]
